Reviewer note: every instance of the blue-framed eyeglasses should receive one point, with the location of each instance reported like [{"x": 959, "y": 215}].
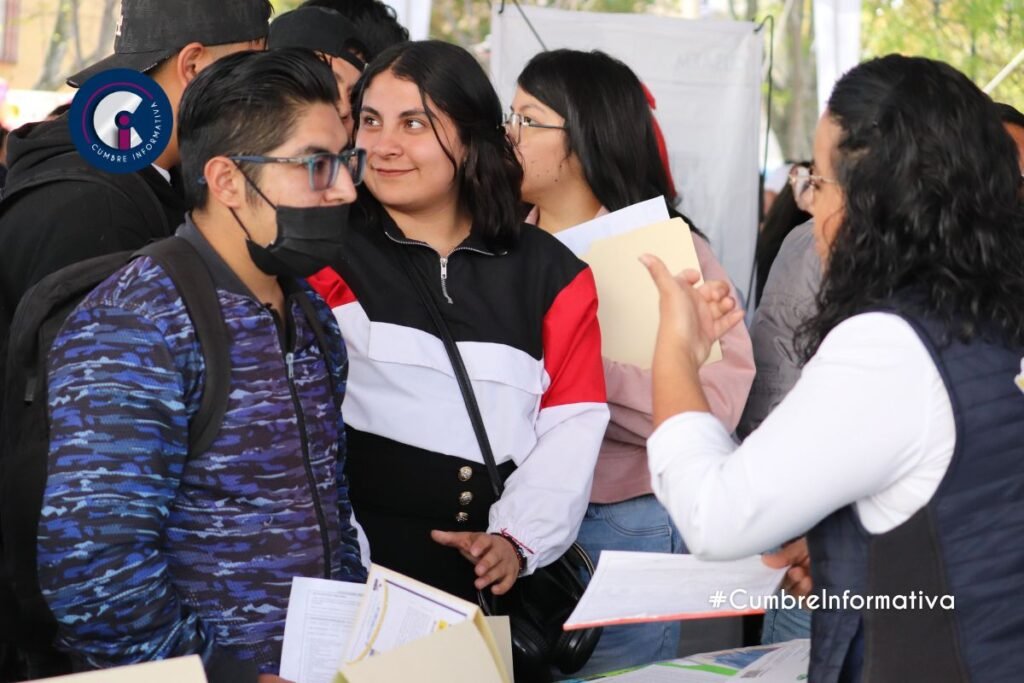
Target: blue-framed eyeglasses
[{"x": 323, "y": 167}]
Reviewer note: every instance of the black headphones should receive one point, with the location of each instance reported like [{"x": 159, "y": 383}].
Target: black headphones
[{"x": 538, "y": 606}]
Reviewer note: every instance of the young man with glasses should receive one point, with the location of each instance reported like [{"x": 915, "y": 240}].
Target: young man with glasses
[{"x": 147, "y": 551}]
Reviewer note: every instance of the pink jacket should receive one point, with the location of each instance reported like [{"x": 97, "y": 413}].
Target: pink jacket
[{"x": 622, "y": 471}]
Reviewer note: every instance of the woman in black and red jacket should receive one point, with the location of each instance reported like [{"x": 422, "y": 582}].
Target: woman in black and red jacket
[{"x": 443, "y": 186}]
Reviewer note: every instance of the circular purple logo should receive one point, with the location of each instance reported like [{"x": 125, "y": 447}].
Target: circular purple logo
[{"x": 120, "y": 121}]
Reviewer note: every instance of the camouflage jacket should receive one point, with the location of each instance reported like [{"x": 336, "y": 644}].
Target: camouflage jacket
[{"x": 147, "y": 552}]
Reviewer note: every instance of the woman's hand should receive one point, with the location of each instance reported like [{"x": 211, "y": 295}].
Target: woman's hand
[
  {"x": 797, "y": 557},
  {"x": 692, "y": 318},
  {"x": 495, "y": 559}
]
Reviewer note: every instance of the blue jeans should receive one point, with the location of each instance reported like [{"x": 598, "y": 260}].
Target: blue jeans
[
  {"x": 781, "y": 625},
  {"x": 639, "y": 524}
]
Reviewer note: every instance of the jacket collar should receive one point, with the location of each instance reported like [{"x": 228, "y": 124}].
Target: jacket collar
[
  {"x": 474, "y": 242},
  {"x": 221, "y": 273}
]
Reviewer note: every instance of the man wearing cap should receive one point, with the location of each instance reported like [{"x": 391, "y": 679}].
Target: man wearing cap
[
  {"x": 376, "y": 24},
  {"x": 46, "y": 227},
  {"x": 332, "y": 37}
]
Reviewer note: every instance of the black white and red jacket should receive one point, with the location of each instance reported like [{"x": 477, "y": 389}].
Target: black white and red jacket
[{"x": 525, "y": 322}]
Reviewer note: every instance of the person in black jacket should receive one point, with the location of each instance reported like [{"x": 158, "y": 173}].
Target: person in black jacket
[{"x": 46, "y": 227}]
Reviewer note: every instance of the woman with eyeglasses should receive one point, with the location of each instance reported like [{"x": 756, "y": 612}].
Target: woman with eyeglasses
[
  {"x": 585, "y": 134},
  {"x": 901, "y": 446},
  {"x": 439, "y": 212}
]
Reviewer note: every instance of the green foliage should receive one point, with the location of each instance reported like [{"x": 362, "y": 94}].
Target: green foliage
[
  {"x": 282, "y": 6},
  {"x": 978, "y": 37}
]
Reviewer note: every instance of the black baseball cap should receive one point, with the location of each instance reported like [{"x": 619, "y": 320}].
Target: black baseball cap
[
  {"x": 320, "y": 29},
  {"x": 150, "y": 31}
]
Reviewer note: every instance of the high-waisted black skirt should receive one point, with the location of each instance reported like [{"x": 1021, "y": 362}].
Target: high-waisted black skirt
[{"x": 400, "y": 493}]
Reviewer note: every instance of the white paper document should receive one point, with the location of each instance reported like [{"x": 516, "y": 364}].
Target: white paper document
[
  {"x": 787, "y": 664},
  {"x": 321, "y": 614},
  {"x": 663, "y": 673},
  {"x": 579, "y": 238},
  {"x": 397, "y": 610},
  {"x": 630, "y": 587}
]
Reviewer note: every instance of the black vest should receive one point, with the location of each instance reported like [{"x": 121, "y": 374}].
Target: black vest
[{"x": 967, "y": 542}]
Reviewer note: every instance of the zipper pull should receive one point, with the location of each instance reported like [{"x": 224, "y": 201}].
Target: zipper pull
[
  {"x": 289, "y": 359},
  {"x": 444, "y": 279}
]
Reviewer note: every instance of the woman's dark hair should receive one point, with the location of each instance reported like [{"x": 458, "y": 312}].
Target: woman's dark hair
[
  {"x": 609, "y": 124},
  {"x": 778, "y": 223},
  {"x": 247, "y": 103},
  {"x": 1009, "y": 114},
  {"x": 931, "y": 204},
  {"x": 489, "y": 177}
]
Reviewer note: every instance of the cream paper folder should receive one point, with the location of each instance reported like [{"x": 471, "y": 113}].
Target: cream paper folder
[
  {"x": 178, "y": 670},
  {"x": 463, "y": 650},
  {"x": 627, "y": 297}
]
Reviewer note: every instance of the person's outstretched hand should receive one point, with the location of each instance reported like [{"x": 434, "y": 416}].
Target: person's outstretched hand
[{"x": 692, "y": 318}]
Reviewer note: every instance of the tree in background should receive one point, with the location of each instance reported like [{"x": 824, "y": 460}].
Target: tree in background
[
  {"x": 67, "y": 39},
  {"x": 978, "y": 37}
]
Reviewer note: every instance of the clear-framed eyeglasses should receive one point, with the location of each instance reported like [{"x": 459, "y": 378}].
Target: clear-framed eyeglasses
[
  {"x": 515, "y": 122},
  {"x": 323, "y": 167},
  {"x": 803, "y": 180}
]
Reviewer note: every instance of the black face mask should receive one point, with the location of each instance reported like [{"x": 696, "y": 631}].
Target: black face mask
[{"x": 308, "y": 239}]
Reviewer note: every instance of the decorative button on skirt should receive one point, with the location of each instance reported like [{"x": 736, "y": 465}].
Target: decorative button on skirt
[{"x": 400, "y": 493}]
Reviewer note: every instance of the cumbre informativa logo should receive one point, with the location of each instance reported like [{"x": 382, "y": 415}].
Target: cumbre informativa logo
[{"x": 120, "y": 121}]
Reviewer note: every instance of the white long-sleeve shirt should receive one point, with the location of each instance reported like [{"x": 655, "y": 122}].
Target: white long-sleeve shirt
[{"x": 869, "y": 422}]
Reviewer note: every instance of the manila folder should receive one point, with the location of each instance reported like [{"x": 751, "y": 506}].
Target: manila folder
[
  {"x": 627, "y": 297},
  {"x": 463, "y": 653}
]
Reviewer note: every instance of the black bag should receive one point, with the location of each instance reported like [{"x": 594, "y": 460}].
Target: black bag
[
  {"x": 71, "y": 167},
  {"x": 26, "y": 623},
  {"x": 538, "y": 605}
]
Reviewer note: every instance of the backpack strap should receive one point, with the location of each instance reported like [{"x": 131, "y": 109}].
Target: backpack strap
[{"x": 190, "y": 276}]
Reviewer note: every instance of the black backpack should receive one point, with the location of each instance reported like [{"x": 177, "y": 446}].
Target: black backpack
[
  {"x": 26, "y": 623},
  {"x": 71, "y": 167}
]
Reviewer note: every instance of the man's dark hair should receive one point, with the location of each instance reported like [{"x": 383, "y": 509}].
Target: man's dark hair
[
  {"x": 608, "y": 123},
  {"x": 489, "y": 177},
  {"x": 931, "y": 204},
  {"x": 376, "y": 24},
  {"x": 247, "y": 103}
]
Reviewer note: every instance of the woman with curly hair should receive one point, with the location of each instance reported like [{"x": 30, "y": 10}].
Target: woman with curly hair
[{"x": 901, "y": 447}]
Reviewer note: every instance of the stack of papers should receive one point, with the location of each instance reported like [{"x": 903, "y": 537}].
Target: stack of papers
[
  {"x": 390, "y": 629},
  {"x": 778, "y": 663},
  {"x": 630, "y": 588}
]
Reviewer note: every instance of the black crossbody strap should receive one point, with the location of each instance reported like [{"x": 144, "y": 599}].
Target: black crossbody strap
[{"x": 420, "y": 285}]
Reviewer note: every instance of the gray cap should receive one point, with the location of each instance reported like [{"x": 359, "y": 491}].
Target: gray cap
[{"x": 150, "y": 31}]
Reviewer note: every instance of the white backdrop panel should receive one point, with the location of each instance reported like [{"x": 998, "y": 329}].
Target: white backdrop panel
[
  {"x": 836, "y": 42},
  {"x": 706, "y": 78},
  {"x": 414, "y": 15}
]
